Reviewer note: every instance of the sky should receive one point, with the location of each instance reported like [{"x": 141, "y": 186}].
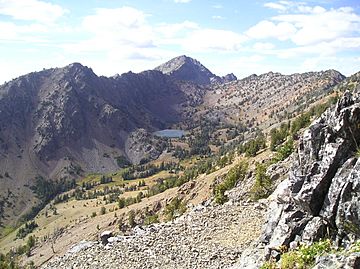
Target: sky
[{"x": 233, "y": 36}]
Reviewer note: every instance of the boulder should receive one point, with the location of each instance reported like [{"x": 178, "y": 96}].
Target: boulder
[
  {"x": 338, "y": 261},
  {"x": 104, "y": 236}
]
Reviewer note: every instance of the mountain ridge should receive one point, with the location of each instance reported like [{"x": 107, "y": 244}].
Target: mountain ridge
[{"x": 61, "y": 122}]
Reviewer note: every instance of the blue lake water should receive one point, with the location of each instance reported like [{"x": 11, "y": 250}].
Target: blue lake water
[{"x": 171, "y": 133}]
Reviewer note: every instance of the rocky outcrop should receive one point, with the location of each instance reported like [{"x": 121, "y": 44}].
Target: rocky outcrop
[
  {"x": 334, "y": 261},
  {"x": 141, "y": 146},
  {"x": 321, "y": 195}
]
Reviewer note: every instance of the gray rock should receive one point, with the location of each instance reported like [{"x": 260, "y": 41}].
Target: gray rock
[
  {"x": 105, "y": 236},
  {"x": 80, "y": 246},
  {"x": 333, "y": 261},
  {"x": 315, "y": 228}
]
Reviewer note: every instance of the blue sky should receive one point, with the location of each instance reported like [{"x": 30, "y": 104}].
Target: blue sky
[{"x": 243, "y": 37}]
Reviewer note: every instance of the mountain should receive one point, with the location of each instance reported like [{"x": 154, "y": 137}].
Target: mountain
[
  {"x": 66, "y": 122},
  {"x": 188, "y": 69}
]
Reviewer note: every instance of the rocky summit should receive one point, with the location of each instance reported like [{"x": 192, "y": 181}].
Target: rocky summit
[{"x": 188, "y": 69}]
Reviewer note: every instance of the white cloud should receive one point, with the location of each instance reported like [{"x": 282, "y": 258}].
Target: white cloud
[
  {"x": 276, "y": 6},
  {"x": 321, "y": 25},
  {"x": 31, "y": 33},
  {"x": 176, "y": 29},
  {"x": 182, "y": 1},
  {"x": 217, "y": 17},
  {"x": 347, "y": 65},
  {"x": 306, "y": 25},
  {"x": 213, "y": 40},
  {"x": 263, "y": 46},
  {"x": 268, "y": 29},
  {"x": 118, "y": 27},
  {"x": 125, "y": 33},
  {"x": 322, "y": 49},
  {"x": 31, "y": 10}
]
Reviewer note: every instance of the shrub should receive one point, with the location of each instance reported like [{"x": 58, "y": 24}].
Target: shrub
[
  {"x": 284, "y": 151},
  {"x": 121, "y": 203},
  {"x": 268, "y": 265},
  {"x": 28, "y": 228},
  {"x": 235, "y": 174},
  {"x": 131, "y": 218},
  {"x": 304, "y": 257},
  {"x": 251, "y": 147},
  {"x": 175, "y": 209},
  {"x": 278, "y": 136},
  {"x": 300, "y": 122},
  {"x": 122, "y": 162},
  {"x": 262, "y": 186},
  {"x": 151, "y": 219},
  {"x": 102, "y": 210}
]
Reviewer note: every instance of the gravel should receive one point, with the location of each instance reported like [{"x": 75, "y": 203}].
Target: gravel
[{"x": 209, "y": 236}]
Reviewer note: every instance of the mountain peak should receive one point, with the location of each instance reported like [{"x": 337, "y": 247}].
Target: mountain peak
[
  {"x": 181, "y": 62},
  {"x": 75, "y": 67},
  {"x": 189, "y": 69}
]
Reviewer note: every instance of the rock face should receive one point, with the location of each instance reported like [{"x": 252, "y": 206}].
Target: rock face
[
  {"x": 321, "y": 195},
  {"x": 141, "y": 146},
  {"x": 188, "y": 69}
]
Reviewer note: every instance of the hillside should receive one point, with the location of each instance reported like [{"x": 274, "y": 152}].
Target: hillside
[{"x": 268, "y": 98}]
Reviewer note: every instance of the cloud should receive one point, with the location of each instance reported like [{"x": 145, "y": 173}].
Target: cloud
[
  {"x": 345, "y": 64},
  {"x": 305, "y": 25},
  {"x": 118, "y": 27},
  {"x": 10, "y": 32},
  {"x": 276, "y": 6},
  {"x": 268, "y": 29},
  {"x": 218, "y": 17},
  {"x": 127, "y": 33},
  {"x": 175, "y": 29},
  {"x": 203, "y": 40},
  {"x": 323, "y": 48},
  {"x": 263, "y": 46},
  {"x": 319, "y": 25},
  {"x": 31, "y": 10},
  {"x": 182, "y": 1}
]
